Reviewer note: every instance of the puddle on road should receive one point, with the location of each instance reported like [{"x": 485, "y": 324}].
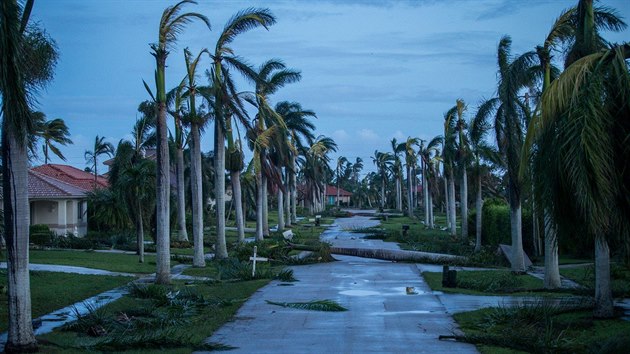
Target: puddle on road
[{"x": 394, "y": 291}]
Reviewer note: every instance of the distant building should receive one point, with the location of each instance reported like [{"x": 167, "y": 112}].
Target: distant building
[{"x": 331, "y": 196}]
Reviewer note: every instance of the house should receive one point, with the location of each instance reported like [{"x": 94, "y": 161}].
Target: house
[
  {"x": 331, "y": 196},
  {"x": 57, "y": 197}
]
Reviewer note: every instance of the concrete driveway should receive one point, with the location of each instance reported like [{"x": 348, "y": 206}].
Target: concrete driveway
[{"x": 381, "y": 318}]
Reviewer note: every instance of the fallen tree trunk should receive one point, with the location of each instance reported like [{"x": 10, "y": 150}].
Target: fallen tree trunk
[{"x": 399, "y": 255}]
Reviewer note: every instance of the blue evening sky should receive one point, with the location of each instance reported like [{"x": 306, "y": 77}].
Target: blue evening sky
[{"x": 372, "y": 70}]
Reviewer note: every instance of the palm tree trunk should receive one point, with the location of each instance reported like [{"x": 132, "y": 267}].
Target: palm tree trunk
[
  {"x": 280, "y": 210},
  {"x": 395, "y": 255},
  {"x": 452, "y": 212},
  {"x": 16, "y": 232},
  {"x": 552, "y": 272},
  {"x": 463, "y": 201},
  {"x": 516, "y": 230},
  {"x": 287, "y": 199},
  {"x": 182, "y": 233},
  {"x": 237, "y": 199},
  {"x": 337, "y": 186},
  {"x": 197, "y": 199},
  {"x": 431, "y": 219},
  {"x": 259, "y": 206},
  {"x": 140, "y": 234},
  {"x": 409, "y": 194},
  {"x": 425, "y": 191},
  {"x": 383, "y": 191},
  {"x": 219, "y": 190},
  {"x": 478, "y": 216},
  {"x": 447, "y": 202},
  {"x": 265, "y": 207},
  {"x": 603, "y": 293},
  {"x": 397, "y": 186},
  {"x": 163, "y": 274},
  {"x": 293, "y": 192}
]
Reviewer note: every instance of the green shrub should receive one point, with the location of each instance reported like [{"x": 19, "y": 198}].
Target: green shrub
[
  {"x": 495, "y": 228},
  {"x": 40, "y": 235},
  {"x": 491, "y": 282}
]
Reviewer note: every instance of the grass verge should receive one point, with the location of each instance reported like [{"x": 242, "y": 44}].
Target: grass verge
[
  {"x": 487, "y": 282},
  {"x": 51, "y": 291},
  {"x": 115, "y": 262}
]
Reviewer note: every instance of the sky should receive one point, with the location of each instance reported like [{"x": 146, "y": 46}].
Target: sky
[{"x": 372, "y": 70}]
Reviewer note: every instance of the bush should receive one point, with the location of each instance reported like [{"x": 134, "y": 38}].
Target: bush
[
  {"x": 40, "y": 235},
  {"x": 496, "y": 224}
]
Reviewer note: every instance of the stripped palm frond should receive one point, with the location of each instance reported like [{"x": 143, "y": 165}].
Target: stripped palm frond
[{"x": 316, "y": 305}]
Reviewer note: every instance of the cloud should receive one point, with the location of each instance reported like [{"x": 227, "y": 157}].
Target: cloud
[
  {"x": 367, "y": 135},
  {"x": 340, "y": 135},
  {"x": 400, "y": 136}
]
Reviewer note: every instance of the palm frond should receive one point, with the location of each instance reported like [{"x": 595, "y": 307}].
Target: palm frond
[{"x": 315, "y": 305}]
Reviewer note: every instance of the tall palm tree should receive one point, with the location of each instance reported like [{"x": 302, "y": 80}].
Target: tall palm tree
[
  {"x": 51, "y": 132},
  {"x": 427, "y": 155},
  {"x": 462, "y": 152},
  {"x": 17, "y": 80},
  {"x": 314, "y": 170},
  {"x": 410, "y": 162},
  {"x": 397, "y": 171},
  {"x": 383, "y": 161},
  {"x": 175, "y": 101},
  {"x": 101, "y": 147},
  {"x": 341, "y": 161},
  {"x": 172, "y": 24},
  {"x": 449, "y": 152},
  {"x": 197, "y": 120},
  {"x": 586, "y": 108},
  {"x": 510, "y": 117},
  {"x": 272, "y": 75},
  {"x": 224, "y": 55},
  {"x": 300, "y": 131},
  {"x": 479, "y": 150}
]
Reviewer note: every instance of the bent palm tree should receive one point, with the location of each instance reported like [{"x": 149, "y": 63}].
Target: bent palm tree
[
  {"x": 223, "y": 55},
  {"x": 101, "y": 147},
  {"x": 172, "y": 24},
  {"x": 51, "y": 131}
]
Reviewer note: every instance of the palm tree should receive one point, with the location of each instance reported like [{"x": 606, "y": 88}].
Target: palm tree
[
  {"x": 174, "y": 98},
  {"x": 101, "y": 147},
  {"x": 410, "y": 161},
  {"x": 383, "y": 161},
  {"x": 510, "y": 116},
  {"x": 341, "y": 160},
  {"x": 272, "y": 75},
  {"x": 300, "y": 131},
  {"x": 449, "y": 152},
  {"x": 223, "y": 55},
  {"x": 172, "y": 24},
  {"x": 427, "y": 158},
  {"x": 586, "y": 109},
  {"x": 479, "y": 150},
  {"x": 197, "y": 121},
  {"x": 17, "y": 80},
  {"x": 51, "y": 131},
  {"x": 462, "y": 152},
  {"x": 314, "y": 170},
  {"x": 397, "y": 171}
]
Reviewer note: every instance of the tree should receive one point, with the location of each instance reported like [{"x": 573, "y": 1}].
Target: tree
[
  {"x": 197, "y": 120},
  {"x": 410, "y": 162},
  {"x": 51, "y": 131},
  {"x": 462, "y": 152},
  {"x": 314, "y": 170},
  {"x": 341, "y": 161},
  {"x": 172, "y": 24},
  {"x": 101, "y": 147},
  {"x": 449, "y": 152},
  {"x": 397, "y": 171},
  {"x": 26, "y": 66},
  {"x": 428, "y": 155},
  {"x": 587, "y": 110},
  {"x": 300, "y": 131},
  {"x": 224, "y": 55},
  {"x": 174, "y": 98},
  {"x": 383, "y": 161}
]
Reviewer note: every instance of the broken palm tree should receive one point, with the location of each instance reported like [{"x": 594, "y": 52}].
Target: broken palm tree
[{"x": 316, "y": 305}]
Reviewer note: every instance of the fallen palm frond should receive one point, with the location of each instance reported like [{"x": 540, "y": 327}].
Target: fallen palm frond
[
  {"x": 285, "y": 275},
  {"x": 317, "y": 305}
]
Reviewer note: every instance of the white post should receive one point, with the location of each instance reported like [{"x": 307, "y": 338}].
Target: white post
[{"x": 254, "y": 266}]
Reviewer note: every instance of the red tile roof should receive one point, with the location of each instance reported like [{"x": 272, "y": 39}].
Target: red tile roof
[
  {"x": 73, "y": 176},
  {"x": 332, "y": 191},
  {"x": 42, "y": 186}
]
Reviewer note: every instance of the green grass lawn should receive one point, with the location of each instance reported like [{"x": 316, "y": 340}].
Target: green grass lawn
[
  {"x": 115, "y": 262},
  {"x": 585, "y": 276},
  {"x": 486, "y": 282},
  {"x": 544, "y": 329},
  {"x": 52, "y": 291},
  {"x": 185, "y": 336}
]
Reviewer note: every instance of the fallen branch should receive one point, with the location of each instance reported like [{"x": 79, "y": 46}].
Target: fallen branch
[{"x": 398, "y": 255}]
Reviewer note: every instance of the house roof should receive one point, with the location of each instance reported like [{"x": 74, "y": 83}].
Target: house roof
[
  {"x": 44, "y": 187},
  {"x": 332, "y": 191},
  {"x": 73, "y": 176}
]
